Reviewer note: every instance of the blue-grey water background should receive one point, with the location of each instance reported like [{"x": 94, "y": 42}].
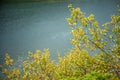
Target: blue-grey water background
[{"x": 37, "y": 25}]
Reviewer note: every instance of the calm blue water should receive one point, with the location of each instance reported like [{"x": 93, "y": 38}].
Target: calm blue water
[{"x": 29, "y": 26}]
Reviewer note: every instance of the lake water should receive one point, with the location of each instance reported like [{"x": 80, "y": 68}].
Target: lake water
[{"x": 29, "y": 26}]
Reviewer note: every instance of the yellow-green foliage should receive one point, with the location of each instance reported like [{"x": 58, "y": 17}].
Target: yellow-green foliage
[{"x": 78, "y": 64}]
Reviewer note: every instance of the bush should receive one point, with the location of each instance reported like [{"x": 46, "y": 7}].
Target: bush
[{"x": 78, "y": 64}]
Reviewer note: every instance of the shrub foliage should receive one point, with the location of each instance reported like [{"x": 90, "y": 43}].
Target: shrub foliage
[{"x": 88, "y": 37}]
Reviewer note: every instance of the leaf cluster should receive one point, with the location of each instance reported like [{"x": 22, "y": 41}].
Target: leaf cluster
[{"x": 78, "y": 64}]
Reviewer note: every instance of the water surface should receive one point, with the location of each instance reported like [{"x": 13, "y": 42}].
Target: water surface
[{"x": 29, "y": 26}]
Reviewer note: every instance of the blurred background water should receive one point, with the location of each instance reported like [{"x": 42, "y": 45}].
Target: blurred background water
[{"x": 27, "y": 26}]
